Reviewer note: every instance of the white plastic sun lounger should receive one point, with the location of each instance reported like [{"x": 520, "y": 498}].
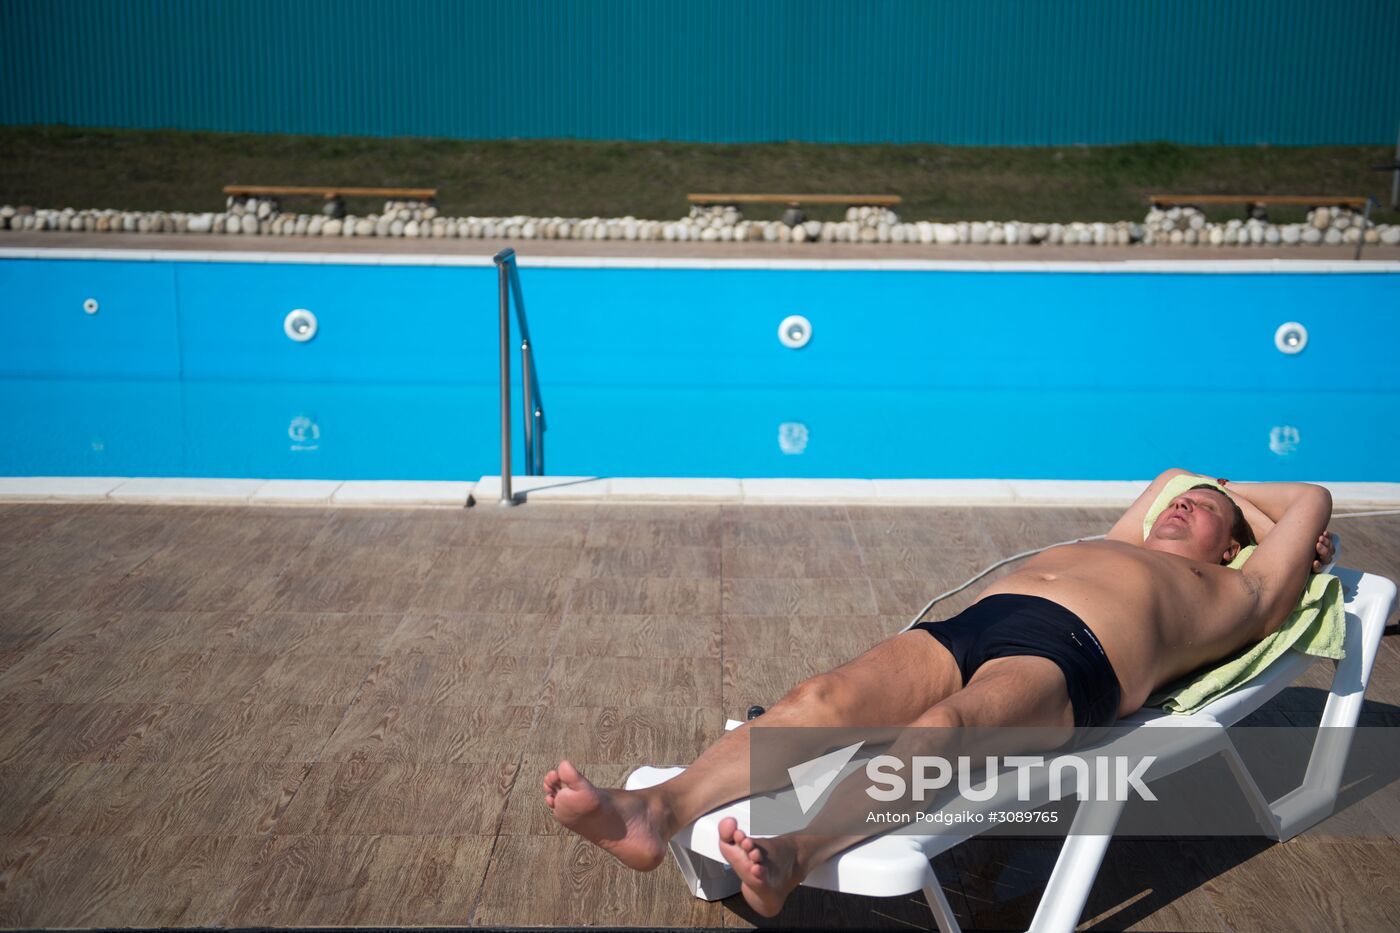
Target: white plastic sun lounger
[{"x": 898, "y": 864}]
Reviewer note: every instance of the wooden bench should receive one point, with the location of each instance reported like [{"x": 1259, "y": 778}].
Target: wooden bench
[
  {"x": 331, "y": 192},
  {"x": 795, "y": 200},
  {"x": 1255, "y": 203}
]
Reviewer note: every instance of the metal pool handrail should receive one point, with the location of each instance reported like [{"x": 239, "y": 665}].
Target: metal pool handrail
[{"x": 509, "y": 277}]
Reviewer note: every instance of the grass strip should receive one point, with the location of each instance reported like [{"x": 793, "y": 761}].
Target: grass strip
[{"x": 179, "y": 170}]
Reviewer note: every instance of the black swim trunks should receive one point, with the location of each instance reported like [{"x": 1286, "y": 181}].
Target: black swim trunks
[{"x": 1009, "y": 625}]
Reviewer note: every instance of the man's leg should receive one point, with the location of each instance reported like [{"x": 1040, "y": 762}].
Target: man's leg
[
  {"x": 1017, "y": 691},
  {"x": 892, "y": 684}
]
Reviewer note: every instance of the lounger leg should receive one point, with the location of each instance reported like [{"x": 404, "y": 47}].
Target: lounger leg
[
  {"x": 938, "y": 903},
  {"x": 1263, "y": 811},
  {"x": 707, "y": 879},
  {"x": 1063, "y": 902}
]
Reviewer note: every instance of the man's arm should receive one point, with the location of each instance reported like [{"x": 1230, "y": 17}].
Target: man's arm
[
  {"x": 1129, "y": 527},
  {"x": 1259, "y": 523},
  {"x": 1262, "y": 524},
  {"x": 1281, "y": 564}
]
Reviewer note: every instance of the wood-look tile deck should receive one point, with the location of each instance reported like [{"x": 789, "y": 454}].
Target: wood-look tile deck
[{"x": 256, "y": 717}]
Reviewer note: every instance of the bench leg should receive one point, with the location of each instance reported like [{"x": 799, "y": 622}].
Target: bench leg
[{"x": 707, "y": 879}]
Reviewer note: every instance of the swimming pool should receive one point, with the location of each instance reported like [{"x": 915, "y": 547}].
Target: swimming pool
[{"x": 913, "y": 370}]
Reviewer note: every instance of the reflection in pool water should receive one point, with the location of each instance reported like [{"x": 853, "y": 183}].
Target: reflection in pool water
[{"x": 407, "y": 431}]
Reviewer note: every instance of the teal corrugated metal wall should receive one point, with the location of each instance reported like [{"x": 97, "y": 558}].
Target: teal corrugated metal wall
[{"x": 971, "y": 72}]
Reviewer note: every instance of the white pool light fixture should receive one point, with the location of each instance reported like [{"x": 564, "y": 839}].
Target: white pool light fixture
[
  {"x": 795, "y": 331},
  {"x": 1291, "y": 338},
  {"x": 90, "y": 306},
  {"x": 300, "y": 325}
]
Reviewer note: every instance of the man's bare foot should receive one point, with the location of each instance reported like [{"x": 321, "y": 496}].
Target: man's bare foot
[
  {"x": 619, "y": 821},
  {"x": 767, "y": 869}
]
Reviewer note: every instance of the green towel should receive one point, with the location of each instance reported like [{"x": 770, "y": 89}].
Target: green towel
[{"x": 1317, "y": 627}]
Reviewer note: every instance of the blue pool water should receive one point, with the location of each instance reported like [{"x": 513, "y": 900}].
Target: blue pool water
[{"x": 185, "y": 370}]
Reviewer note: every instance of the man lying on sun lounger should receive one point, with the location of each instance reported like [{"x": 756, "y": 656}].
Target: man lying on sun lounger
[{"x": 1079, "y": 636}]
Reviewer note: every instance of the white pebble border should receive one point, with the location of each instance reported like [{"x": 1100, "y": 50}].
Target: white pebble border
[
  {"x": 590, "y": 489},
  {"x": 1177, "y": 226},
  {"x": 1174, "y": 266}
]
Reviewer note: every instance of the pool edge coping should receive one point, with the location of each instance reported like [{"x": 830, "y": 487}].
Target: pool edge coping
[{"x": 590, "y": 489}]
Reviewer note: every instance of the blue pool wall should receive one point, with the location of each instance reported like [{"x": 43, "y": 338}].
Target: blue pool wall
[
  {"x": 185, "y": 371},
  {"x": 702, "y": 327},
  {"x": 963, "y": 72}
]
